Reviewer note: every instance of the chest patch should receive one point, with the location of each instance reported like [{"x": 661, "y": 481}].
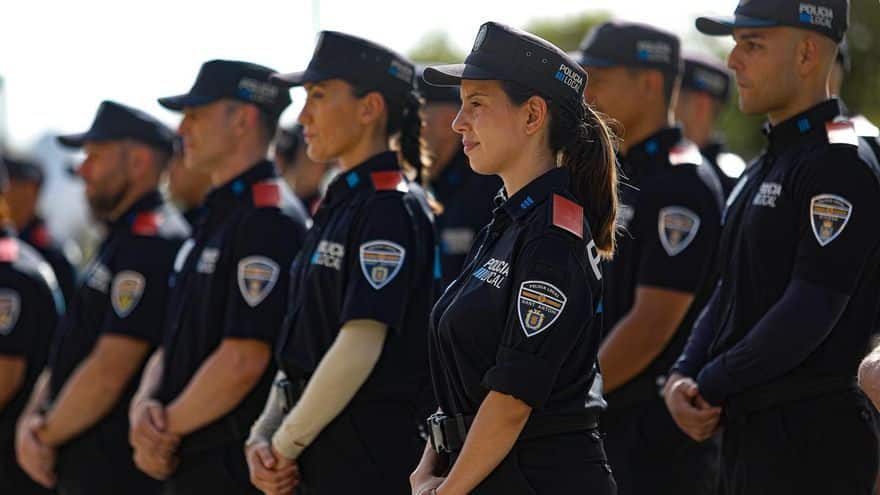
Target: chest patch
[
  {"x": 208, "y": 260},
  {"x": 99, "y": 278},
  {"x": 257, "y": 276},
  {"x": 677, "y": 227},
  {"x": 540, "y": 305},
  {"x": 829, "y": 215},
  {"x": 126, "y": 292},
  {"x": 768, "y": 194},
  {"x": 381, "y": 262},
  {"x": 10, "y": 308},
  {"x": 329, "y": 254},
  {"x": 494, "y": 272}
]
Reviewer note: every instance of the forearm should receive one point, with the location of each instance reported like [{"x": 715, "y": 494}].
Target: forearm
[
  {"x": 150, "y": 379},
  {"x": 696, "y": 350},
  {"x": 770, "y": 349},
  {"x": 220, "y": 384},
  {"x": 869, "y": 377},
  {"x": 341, "y": 373},
  {"x": 497, "y": 426},
  {"x": 12, "y": 370},
  {"x": 272, "y": 416},
  {"x": 624, "y": 354}
]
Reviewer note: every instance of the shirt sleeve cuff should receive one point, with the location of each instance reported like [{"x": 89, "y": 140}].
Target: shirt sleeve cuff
[
  {"x": 522, "y": 375},
  {"x": 714, "y": 382}
]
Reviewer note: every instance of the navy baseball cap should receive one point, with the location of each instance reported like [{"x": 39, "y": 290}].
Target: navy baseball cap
[
  {"x": 22, "y": 169},
  {"x": 435, "y": 94},
  {"x": 233, "y": 80},
  {"x": 507, "y": 54},
  {"x": 706, "y": 75},
  {"x": 358, "y": 61},
  {"x": 828, "y": 17},
  {"x": 631, "y": 44},
  {"x": 115, "y": 121}
]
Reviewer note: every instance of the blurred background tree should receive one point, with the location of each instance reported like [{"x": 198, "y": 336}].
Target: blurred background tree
[{"x": 742, "y": 133}]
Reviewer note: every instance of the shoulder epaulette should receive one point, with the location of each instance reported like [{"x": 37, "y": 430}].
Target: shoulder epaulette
[
  {"x": 8, "y": 250},
  {"x": 842, "y": 132},
  {"x": 683, "y": 153},
  {"x": 146, "y": 224},
  {"x": 390, "y": 180},
  {"x": 266, "y": 194},
  {"x": 568, "y": 216},
  {"x": 40, "y": 237}
]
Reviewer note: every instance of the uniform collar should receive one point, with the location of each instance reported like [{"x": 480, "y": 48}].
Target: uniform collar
[
  {"x": 239, "y": 186},
  {"x": 452, "y": 177},
  {"x": 347, "y": 183},
  {"x": 535, "y": 193},
  {"x": 147, "y": 202},
  {"x": 655, "y": 148},
  {"x": 712, "y": 150},
  {"x": 806, "y": 126}
]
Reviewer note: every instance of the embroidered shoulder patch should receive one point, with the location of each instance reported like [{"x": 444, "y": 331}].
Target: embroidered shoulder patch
[
  {"x": 677, "y": 227},
  {"x": 257, "y": 276},
  {"x": 843, "y": 132},
  {"x": 829, "y": 215},
  {"x": 539, "y": 305},
  {"x": 10, "y": 308},
  {"x": 568, "y": 215},
  {"x": 388, "y": 181},
  {"x": 146, "y": 224},
  {"x": 266, "y": 194},
  {"x": 381, "y": 261},
  {"x": 126, "y": 292}
]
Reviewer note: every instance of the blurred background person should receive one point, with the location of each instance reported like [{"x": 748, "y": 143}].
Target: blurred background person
[{"x": 307, "y": 178}]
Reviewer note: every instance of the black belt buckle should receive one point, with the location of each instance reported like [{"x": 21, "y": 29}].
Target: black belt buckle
[{"x": 435, "y": 431}]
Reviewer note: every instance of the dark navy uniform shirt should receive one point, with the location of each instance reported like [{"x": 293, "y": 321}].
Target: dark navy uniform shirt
[
  {"x": 37, "y": 235},
  {"x": 728, "y": 166},
  {"x": 670, "y": 213},
  {"x": 230, "y": 282},
  {"x": 370, "y": 255},
  {"x": 30, "y": 303},
  {"x": 467, "y": 198},
  {"x": 123, "y": 291},
  {"x": 805, "y": 214},
  {"x": 521, "y": 319}
]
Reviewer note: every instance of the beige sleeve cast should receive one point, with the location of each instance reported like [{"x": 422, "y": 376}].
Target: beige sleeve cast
[{"x": 341, "y": 372}]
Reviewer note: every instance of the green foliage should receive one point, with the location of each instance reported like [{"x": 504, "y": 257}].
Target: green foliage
[
  {"x": 566, "y": 33},
  {"x": 436, "y": 47},
  {"x": 861, "y": 88}
]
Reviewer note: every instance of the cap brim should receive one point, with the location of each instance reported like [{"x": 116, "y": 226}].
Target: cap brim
[
  {"x": 180, "y": 102},
  {"x": 724, "y": 25},
  {"x": 293, "y": 79},
  {"x": 73, "y": 140},
  {"x": 453, "y": 74}
]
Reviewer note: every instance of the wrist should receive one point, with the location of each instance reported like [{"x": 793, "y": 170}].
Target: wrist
[{"x": 289, "y": 449}]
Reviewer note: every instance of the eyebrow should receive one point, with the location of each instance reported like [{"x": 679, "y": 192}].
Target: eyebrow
[
  {"x": 475, "y": 93},
  {"x": 749, "y": 36}
]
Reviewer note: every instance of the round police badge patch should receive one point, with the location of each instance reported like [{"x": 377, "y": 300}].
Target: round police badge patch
[
  {"x": 256, "y": 278},
  {"x": 678, "y": 227},
  {"x": 381, "y": 262},
  {"x": 10, "y": 308},
  {"x": 539, "y": 304},
  {"x": 829, "y": 215},
  {"x": 126, "y": 291}
]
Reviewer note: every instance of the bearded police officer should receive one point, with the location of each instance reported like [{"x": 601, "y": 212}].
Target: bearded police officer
[
  {"x": 778, "y": 346},
  {"x": 116, "y": 316},
  {"x": 213, "y": 373}
]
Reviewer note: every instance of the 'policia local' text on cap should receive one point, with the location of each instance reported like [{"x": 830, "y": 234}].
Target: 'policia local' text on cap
[
  {"x": 358, "y": 61},
  {"x": 507, "y": 54},
  {"x": 630, "y": 44},
  {"x": 706, "y": 75},
  {"x": 115, "y": 121},
  {"x": 234, "y": 80},
  {"x": 828, "y": 17}
]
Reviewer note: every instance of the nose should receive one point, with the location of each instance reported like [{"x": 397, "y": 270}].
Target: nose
[{"x": 461, "y": 121}]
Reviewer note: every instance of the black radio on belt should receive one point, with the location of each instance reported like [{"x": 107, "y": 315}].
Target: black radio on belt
[
  {"x": 290, "y": 393},
  {"x": 448, "y": 433}
]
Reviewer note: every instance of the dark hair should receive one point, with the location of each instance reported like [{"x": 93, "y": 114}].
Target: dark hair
[
  {"x": 587, "y": 146},
  {"x": 403, "y": 118},
  {"x": 671, "y": 81},
  {"x": 269, "y": 123}
]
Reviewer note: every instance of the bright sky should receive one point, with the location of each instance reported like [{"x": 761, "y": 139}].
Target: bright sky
[{"x": 60, "y": 59}]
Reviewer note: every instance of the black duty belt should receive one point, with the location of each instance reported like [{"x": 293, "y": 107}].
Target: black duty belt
[{"x": 448, "y": 433}]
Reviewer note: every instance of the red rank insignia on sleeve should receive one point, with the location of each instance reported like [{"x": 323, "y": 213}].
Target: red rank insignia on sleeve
[{"x": 266, "y": 194}]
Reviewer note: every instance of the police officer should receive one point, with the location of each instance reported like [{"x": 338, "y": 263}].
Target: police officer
[
  {"x": 25, "y": 183},
  {"x": 841, "y": 68},
  {"x": 465, "y": 195},
  {"x": 514, "y": 339},
  {"x": 214, "y": 370},
  {"x": 705, "y": 88},
  {"x": 30, "y": 302},
  {"x": 187, "y": 188},
  {"x": 773, "y": 358},
  {"x": 353, "y": 343},
  {"x": 116, "y": 316},
  {"x": 307, "y": 178},
  {"x": 670, "y": 217}
]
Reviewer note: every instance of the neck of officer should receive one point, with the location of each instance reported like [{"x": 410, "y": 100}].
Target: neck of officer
[
  {"x": 812, "y": 92},
  {"x": 366, "y": 148},
  {"x": 528, "y": 167},
  {"x": 640, "y": 130},
  {"x": 243, "y": 158},
  {"x": 137, "y": 189}
]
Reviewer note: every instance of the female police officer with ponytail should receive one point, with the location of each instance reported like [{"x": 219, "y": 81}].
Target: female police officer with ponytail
[
  {"x": 354, "y": 341},
  {"x": 514, "y": 339}
]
